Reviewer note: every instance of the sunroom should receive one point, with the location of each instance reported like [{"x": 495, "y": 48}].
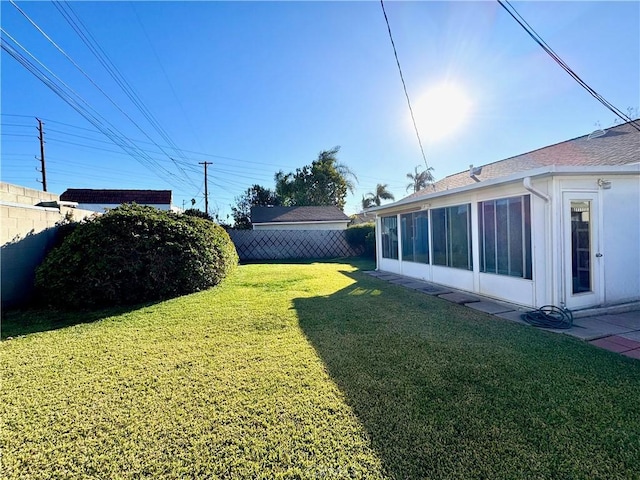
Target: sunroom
[{"x": 533, "y": 238}]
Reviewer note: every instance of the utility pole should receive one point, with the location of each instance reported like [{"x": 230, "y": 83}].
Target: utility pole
[
  {"x": 206, "y": 190},
  {"x": 44, "y": 170}
]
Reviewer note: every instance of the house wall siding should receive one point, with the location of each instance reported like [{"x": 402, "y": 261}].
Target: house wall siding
[{"x": 621, "y": 239}]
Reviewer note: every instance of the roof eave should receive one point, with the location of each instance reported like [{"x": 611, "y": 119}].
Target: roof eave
[{"x": 536, "y": 172}]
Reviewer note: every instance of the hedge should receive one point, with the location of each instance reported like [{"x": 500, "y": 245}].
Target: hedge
[{"x": 135, "y": 254}]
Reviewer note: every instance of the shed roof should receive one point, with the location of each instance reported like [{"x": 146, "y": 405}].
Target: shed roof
[
  {"x": 620, "y": 145},
  {"x": 297, "y": 214},
  {"x": 117, "y": 197}
]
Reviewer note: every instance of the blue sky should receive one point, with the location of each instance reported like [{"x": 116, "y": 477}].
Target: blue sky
[{"x": 255, "y": 87}]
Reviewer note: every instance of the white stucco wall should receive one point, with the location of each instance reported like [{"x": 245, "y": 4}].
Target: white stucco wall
[
  {"x": 621, "y": 240},
  {"x": 617, "y": 237}
]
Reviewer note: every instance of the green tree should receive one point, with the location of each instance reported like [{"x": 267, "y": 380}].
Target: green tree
[
  {"x": 420, "y": 180},
  {"x": 256, "y": 196},
  {"x": 325, "y": 182},
  {"x": 381, "y": 193},
  {"x": 194, "y": 212},
  {"x": 367, "y": 202}
]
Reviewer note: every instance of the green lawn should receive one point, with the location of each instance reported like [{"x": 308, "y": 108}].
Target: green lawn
[{"x": 310, "y": 371}]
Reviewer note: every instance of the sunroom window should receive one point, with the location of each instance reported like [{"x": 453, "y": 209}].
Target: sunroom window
[
  {"x": 389, "y": 233},
  {"x": 451, "y": 230},
  {"x": 505, "y": 236},
  {"x": 415, "y": 237}
]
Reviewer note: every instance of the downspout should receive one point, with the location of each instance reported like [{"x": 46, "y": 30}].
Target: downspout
[{"x": 526, "y": 183}]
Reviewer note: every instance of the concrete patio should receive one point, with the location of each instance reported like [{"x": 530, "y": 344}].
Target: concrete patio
[{"x": 616, "y": 328}]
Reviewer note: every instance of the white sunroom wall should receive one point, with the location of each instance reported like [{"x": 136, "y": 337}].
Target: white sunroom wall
[
  {"x": 618, "y": 238},
  {"x": 621, "y": 239},
  {"x": 531, "y": 293}
]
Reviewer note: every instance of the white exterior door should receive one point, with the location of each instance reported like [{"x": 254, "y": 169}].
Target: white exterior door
[{"x": 581, "y": 250}]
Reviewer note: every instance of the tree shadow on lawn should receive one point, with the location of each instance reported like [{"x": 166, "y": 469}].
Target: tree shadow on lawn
[
  {"x": 27, "y": 320},
  {"x": 446, "y": 392},
  {"x": 361, "y": 263}
]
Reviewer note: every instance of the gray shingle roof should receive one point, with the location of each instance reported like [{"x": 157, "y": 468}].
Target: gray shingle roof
[
  {"x": 117, "y": 197},
  {"x": 296, "y": 214},
  {"x": 619, "y": 146}
]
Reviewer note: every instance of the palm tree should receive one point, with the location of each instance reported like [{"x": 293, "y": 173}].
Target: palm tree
[
  {"x": 380, "y": 194},
  {"x": 420, "y": 180},
  {"x": 350, "y": 178},
  {"x": 367, "y": 202}
]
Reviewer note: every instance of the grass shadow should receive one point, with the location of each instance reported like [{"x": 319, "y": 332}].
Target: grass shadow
[
  {"x": 362, "y": 263},
  {"x": 28, "y": 320},
  {"x": 447, "y": 392}
]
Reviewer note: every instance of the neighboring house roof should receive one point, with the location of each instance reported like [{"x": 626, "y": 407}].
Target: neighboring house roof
[
  {"x": 297, "y": 214},
  {"x": 620, "y": 145},
  {"x": 117, "y": 197}
]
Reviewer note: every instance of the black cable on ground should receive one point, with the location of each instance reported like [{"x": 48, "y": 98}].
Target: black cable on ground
[{"x": 549, "y": 316}]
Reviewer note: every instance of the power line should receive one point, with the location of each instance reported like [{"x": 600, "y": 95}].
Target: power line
[
  {"x": 210, "y": 155},
  {"x": 404, "y": 85},
  {"x": 87, "y": 76},
  {"x": 538, "y": 39},
  {"x": 175, "y": 95},
  {"x": 74, "y": 100},
  {"x": 89, "y": 40}
]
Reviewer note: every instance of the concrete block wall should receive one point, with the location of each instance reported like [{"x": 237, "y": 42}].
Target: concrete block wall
[
  {"x": 27, "y": 233},
  {"x": 23, "y": 195}
]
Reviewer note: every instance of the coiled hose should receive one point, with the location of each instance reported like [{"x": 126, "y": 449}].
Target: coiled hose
[{"x": 549, "y": 316}]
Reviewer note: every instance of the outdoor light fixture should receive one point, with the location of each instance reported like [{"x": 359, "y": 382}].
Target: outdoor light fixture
[{"x": 604, "y": 184}]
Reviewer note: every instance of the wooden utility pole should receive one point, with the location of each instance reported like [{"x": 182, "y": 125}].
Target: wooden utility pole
[
  {"x": 206, "y": 189},
  {"x": 44, "y": 169}
]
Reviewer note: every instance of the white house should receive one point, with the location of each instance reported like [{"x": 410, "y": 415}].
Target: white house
[
  {"x": 103, "y": 200},
  {"x": 298, "y": 218},
  {"x": 556, "y": 226}
]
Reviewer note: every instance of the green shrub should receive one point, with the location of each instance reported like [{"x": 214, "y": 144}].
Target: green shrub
[
  {"x": 362, "y": 237},
  {"x": 194, "y": 212},
  {"x": 135, "y": 254}
]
